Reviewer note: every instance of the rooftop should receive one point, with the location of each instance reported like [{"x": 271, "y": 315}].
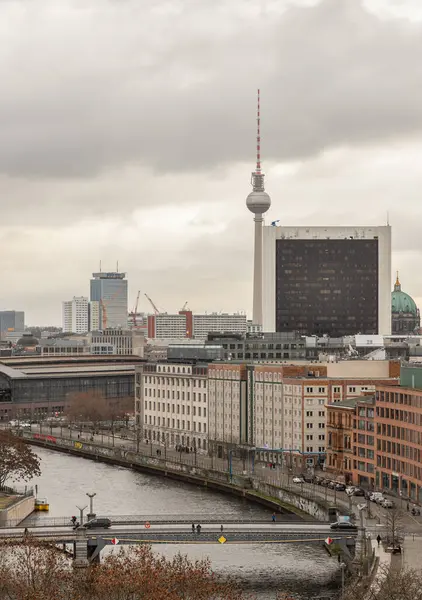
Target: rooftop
[
  {"x": 56, "y": 371},
  {"x": 352, "y": 402}
]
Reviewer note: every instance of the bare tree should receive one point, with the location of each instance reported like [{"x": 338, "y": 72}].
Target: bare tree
[
  {"x": 87, "y": 407},
  {"x": 390, "y": 584},
  {"x": 30, "y": 570},
  {"x": 394, "y": 526},
  {"x": 17, "y": 460}
]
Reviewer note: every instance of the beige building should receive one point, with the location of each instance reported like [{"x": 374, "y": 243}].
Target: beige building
[
  {"x": 171, "y": 404},
  {"x": 281, "y": 409},
  {"x": 118, "y": 341}
]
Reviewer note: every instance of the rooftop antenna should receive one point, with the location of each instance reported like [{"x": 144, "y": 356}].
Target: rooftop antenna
[
  {"x": 100, "y": 265},
  {"x": 388, "y": 218},
  {"x": 258, "y": 176},
  {"x": 117, "y": 266}
]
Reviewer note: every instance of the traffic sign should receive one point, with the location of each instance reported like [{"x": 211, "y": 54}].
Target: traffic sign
[
  {"x": 222, "y": 539},
  {"x": 329, "y": 541},
  {"x": 114, "y": 541}
]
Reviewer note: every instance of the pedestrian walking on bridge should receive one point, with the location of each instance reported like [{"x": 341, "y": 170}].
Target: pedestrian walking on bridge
[
  {"x": 193, "y": 527},
  {"x": 273, "y": 518}
]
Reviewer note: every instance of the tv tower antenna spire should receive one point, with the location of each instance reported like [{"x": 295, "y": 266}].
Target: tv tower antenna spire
[{"x": 257, "y": 179}]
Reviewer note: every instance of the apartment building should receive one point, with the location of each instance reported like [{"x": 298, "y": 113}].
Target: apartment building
[
  {"x": 281, "y": 410},
  {"x": 186, "y": 324},
  {"x": 398, "y": 425},
  {"x": 75, "y": 315},
  {"x": 117, "y": 341},
  {"x": 171, "y": 404},
  {"x": 351, "y": 441}
]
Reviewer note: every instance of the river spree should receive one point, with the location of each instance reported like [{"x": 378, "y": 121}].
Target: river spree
[{"x": 304, "y": 571}]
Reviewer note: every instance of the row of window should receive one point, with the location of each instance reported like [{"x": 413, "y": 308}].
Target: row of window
[
  {"x": 175, "y": 423},
  {"x": 150, "y": 392},
  {"x": 175, "y": 408},
  {"x": 173, "y": 381},
  {"x": 404, "y": 416}
]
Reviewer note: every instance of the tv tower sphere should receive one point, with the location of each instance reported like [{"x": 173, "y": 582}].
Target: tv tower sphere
[{"x": 258, "y": 202}]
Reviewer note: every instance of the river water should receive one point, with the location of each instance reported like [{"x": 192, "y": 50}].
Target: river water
[{"x": 304, "y": 571}]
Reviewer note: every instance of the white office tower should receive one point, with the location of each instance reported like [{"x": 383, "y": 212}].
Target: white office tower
[
  {"x": 327, "y": 281},
  {"x": 258, "y": 202},
  {"x": 75, "y": 315}
]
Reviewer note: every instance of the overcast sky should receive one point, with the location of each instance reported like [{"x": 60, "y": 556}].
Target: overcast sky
[{"x": 127, "y": 132}]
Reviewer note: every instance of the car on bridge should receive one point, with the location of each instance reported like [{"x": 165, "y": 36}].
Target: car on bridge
[
  {"x": 348, "y": 525},
  {"x": 100, "y": 523}
]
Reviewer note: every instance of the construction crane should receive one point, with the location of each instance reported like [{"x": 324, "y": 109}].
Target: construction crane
[
  {"x": 184, "y": 307},
  {"x": 156, "y": 311},
  {"x": 135, "y": 310}
]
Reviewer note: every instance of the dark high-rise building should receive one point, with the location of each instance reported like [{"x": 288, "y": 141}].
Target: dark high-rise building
[{"x": 327, "y": 281}]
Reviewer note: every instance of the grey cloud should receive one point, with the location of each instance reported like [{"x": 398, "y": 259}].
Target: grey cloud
[{"x": 89, "y": 90}]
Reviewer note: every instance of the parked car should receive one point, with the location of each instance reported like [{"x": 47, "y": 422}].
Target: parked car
[
  {"x": 350, "y": 489},
  {"x": 386, "y": 503},
  {"x": 380, "y": 499},
  {"x": 100, "y": 523},
  {"x": 307, "y": 478},
  {"x": 340, "y": 487},
  {"x": 343, "y": 525},
  {"x": 325, "y": 482},
  {"x": 318, "y": 480},
  {"x": 373, "y": 497},
  {"x": 298, "y": 480},
  {"x": 331, "y": 485},
  {"x": 358, "y": 492}
]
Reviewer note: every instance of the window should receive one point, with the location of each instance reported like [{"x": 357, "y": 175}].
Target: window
[{"x": 309, "y": 390}]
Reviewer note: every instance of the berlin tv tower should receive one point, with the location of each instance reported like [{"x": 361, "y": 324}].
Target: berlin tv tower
[{"x": 258, "y": 202}]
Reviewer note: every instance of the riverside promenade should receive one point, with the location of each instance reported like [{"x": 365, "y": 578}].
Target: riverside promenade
[{"x": 266, "y": 486}]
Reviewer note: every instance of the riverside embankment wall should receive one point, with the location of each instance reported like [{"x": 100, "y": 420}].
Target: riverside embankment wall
[{"x": 18, "y": 511}]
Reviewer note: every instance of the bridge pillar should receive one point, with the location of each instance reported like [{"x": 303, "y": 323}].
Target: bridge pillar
[
  {"x": 81, "y": 549},
  {"x": 360, "y": 550}
]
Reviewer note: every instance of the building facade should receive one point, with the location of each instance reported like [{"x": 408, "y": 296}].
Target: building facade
[
  {"x": 38, "y": 389},
  {"x": 75, "y": 315},
  {"x": 351, "y": 441},
  {"x": 282, "y": 409},
  {"x": 171, "y": 404},
  {"x": 331, "y": 281},
  {"x": 122, "y": 341},
  {"x": 94, "y": 316},
  {"x": 206, "y": 323},
  {"x": 110, "y": 291},
  {"x": 10, "y": 321},
  {"x": 185, "y": 324}
]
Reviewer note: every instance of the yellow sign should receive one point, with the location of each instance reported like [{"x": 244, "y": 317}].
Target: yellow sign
[
  {"x": 222, "y": 539},
  {"x": 78, "y": 445}
]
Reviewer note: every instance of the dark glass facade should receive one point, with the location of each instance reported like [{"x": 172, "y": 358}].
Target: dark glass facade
[{"x": 327, "y": 286}]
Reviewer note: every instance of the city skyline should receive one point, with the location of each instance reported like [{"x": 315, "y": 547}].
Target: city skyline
[{"x": 129, "y": 166}]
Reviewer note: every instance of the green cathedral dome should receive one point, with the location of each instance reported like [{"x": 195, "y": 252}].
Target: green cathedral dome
[{"x": 402, "y": 302}]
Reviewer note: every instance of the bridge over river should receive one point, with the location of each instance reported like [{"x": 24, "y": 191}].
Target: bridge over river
[{"x": 301, "y": 569}]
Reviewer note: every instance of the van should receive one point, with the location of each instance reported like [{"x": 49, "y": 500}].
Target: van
[
  {"x": 100, "y": 523},
  {"x": 376, "y": 496}
]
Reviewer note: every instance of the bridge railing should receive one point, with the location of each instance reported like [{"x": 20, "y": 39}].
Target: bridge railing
[
  {"x": 166, "y": 519},
  {"x": 17, "y": 490}
]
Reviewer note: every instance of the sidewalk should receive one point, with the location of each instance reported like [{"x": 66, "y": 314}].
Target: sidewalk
[{"x": 384, "y": 562}]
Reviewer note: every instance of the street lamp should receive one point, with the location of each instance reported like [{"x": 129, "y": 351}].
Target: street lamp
[{"x": 91, "y": 505}]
